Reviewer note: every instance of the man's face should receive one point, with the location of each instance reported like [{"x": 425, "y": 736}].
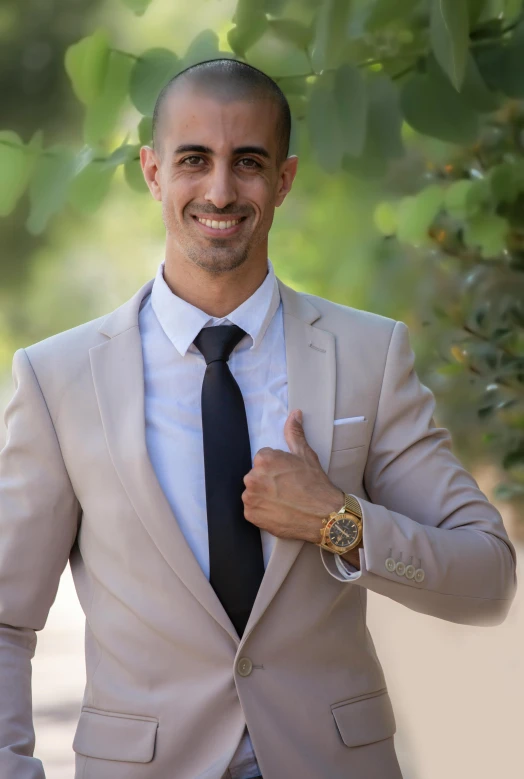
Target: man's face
[{"x": 217, "y": 161}]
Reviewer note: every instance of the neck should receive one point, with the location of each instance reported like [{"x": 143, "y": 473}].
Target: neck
[{"x": 215, "y": 294}]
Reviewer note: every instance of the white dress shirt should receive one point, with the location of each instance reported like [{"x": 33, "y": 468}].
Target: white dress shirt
[{"x": 173, "y": 375}]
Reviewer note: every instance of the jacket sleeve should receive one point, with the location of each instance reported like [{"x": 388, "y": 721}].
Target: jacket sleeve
[
  {"x": 427, "y": 512},
  {"x": 39, "y": 516}
]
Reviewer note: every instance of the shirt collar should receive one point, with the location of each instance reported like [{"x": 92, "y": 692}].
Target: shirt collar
[{"x": 182, "y": 322}]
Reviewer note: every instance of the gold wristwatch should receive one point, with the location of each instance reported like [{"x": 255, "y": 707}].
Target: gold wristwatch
[{"x": 341, "y": 531}]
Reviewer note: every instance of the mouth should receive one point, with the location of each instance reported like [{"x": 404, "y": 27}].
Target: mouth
[{"x": 220, "y": 232}]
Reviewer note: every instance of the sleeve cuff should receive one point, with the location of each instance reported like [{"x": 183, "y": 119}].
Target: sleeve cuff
[{"x": 347, "y": 570}]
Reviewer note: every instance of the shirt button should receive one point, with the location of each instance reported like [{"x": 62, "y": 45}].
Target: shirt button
[
  {"x": 409, "y": 573},
  {"x": 244, "y": 666},
  {"x": 419, "y": 575},
  {"x": 400, "y": 568},
  {"x": 390, "y": 564}
]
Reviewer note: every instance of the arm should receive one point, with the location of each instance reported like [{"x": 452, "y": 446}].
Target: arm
[
  {"x": 426, "y": 508},
  {"x": 38, "y": 523}
]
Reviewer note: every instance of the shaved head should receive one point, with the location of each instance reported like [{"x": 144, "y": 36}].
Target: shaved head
[{"x": 228, "y": 80}]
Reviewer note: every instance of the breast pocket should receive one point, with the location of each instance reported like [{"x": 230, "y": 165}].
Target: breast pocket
[{"x": 349, "y": 432}]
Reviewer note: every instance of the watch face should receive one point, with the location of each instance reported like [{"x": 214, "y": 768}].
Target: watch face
[{"x": 343, "y": 532}]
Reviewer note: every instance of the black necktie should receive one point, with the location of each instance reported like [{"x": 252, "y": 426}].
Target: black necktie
[{"x": 235, "y": 546}]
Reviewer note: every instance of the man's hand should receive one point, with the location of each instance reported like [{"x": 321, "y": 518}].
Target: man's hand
[{"x": 288, "y": 493}]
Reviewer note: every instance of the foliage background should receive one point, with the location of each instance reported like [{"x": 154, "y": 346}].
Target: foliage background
[{"x": 409, "y": 199}]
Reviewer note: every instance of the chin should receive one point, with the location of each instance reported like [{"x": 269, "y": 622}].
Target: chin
[{"x": 221, "y": 261}]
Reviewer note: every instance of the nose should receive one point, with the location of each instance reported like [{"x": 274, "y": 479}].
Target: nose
[{"x": 221, "y": 187}]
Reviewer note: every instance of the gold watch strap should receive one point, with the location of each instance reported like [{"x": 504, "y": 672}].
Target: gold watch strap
[{"x": 352, "y": 505}]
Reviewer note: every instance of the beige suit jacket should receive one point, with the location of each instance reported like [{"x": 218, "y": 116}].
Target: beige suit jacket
[{"x": 170, "y": 687}]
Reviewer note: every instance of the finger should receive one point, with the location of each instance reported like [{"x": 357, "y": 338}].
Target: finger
[{"x": 294, "y": 434}]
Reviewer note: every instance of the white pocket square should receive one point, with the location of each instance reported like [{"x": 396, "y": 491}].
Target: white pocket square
[{"x": 348, "y": 420}]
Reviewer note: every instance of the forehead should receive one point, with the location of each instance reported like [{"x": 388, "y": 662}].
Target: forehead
[{"x": 222, "y": 122}]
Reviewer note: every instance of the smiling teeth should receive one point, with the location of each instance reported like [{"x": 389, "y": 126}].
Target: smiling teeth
[{"x": 218, "y": 225}]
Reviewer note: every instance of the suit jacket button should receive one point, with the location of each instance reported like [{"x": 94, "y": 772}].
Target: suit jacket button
[
  {"x": 390, "y": 564},
  {"x": 409, "y": 573},
  {"x": 419, "y": 575},
  {"x": 400, "y": 568},
  {"x": 244, "y": 666}
]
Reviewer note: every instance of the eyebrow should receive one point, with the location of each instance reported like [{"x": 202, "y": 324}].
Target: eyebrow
[{"x": 207, "y": 150}]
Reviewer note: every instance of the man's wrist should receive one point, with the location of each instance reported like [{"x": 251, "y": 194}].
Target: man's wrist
[{"x": 353, "y": 556}]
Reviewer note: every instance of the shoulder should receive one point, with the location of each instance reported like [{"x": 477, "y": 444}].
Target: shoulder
[
  {"x": 67, "y": 346},
  {"x": 345, "y": 321},
  {"x": 61, "y": 361}
]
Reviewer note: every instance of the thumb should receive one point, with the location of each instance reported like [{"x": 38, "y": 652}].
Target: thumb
[{"x": 294, "y": 433}]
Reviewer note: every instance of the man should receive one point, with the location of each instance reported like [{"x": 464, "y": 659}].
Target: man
[{"x": 229, "y": 466}]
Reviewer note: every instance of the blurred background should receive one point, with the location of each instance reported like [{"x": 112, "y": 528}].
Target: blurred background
[{"x": 408, "y": 120}]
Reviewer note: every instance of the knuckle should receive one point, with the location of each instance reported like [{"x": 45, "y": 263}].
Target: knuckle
[{"x": 263, "y": 456}]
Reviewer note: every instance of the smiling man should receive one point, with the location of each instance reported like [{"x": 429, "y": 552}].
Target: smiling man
[{"x": 229, "y": 466}]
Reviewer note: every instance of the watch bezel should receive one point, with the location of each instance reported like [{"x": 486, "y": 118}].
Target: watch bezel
[{"x": 332, "y": 520}]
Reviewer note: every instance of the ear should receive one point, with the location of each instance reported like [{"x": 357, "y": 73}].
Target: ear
[
  {"x": 150, "y": 163},
  {"x": 288, "y": 171}
]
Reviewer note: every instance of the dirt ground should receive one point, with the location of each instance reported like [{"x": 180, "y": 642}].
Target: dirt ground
[{"x": 457, "y": 691}]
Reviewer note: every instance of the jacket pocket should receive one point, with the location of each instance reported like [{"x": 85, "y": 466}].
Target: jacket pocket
[
  {"x": 350, "y": 433},
  {"x": 365, "y": 719},
  {"x": 112, "y": 736}
]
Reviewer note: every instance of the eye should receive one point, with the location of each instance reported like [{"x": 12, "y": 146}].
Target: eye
[
  {"x": 250, "y": 159},
  {"x": 193, "y": 157}
]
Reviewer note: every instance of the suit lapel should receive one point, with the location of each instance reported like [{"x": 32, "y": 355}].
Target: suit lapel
[
  {"x": 117, "y": 368},
  {"x": 311, "y": 369},
  {"x": 118, "y": 375}
]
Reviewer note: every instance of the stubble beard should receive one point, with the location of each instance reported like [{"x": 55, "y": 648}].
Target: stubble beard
[{"x": 216, "y": 258}]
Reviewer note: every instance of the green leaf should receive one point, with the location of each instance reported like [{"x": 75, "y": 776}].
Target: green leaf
[
  {"x": 502, "y": 67},
  {"x": 49, "y": 186},
  {"x": 475, "y": 10},
  {"x": 383, "y": 140},
  {"x": 204, "y": 47},
  {"x": 449, "y": 33},
  {"x": 505, "y": 183},
  {"x": 278, "y": 57},
  {"x": 488, "y": 233},
  {"x": 103, "y": 113},
  {"x": 14, "y": 164},
  {"x": 383, "y": 12},
  {"x": 86, "y": 64},
  {"x": 385, "y": 218},
  {"x": 251, "y": 24},
  {"x": 417, "y": 213},
  {"x": 385, "y": 116},
  {"x": 91, "y": 186},
  {"x": 475, "y": 90},
  {"x": 324, "y": 129},
  {"x": 432, "y": 107},
  {"x": 331, "y": 32},
  {"x": 139, "y": 7},
  {"x": 150, "y": 73},
  {"x": 134, "y": 176},
  {"x": 513, "y": 64},
  {"x": 145, "y": 131},
  {"x": 457, "y": 199},
  {"x": 292, "y": 31},
  {"x": 93, "y": 177},
  {"x": 122, "y": 155},
  {"x": 352, "y": 103}
]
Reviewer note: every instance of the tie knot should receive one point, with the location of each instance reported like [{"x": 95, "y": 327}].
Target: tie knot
[{"x": 217, "y": 343}]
